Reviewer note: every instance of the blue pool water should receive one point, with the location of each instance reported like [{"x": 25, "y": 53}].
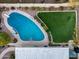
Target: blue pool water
[{"x": 26, "y": 28}]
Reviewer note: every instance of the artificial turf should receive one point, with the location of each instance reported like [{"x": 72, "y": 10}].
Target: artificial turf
[{"x": 61, "y": 25}]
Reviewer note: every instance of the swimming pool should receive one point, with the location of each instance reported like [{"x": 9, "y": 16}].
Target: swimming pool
[{"x": 26, "y": 28}]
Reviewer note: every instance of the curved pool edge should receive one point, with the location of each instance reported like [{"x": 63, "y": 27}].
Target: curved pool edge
[{"x": 45, "y": 41}]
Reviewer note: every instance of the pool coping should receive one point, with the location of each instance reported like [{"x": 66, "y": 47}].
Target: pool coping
[
  {"x": 45, "y": 41},
  {"x": 60, "y": 11}
]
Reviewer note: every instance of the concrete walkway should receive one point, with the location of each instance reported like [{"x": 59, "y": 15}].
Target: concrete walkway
[
  {"x": 36, "y": 4},
  {"x": 6, "y": 51},
  {"x": 33, "y": 5}
]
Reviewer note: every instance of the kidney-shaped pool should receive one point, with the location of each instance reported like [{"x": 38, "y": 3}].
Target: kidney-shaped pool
[{"x": 25, "y": 27}]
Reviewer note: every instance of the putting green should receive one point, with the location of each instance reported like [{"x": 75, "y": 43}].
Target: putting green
[{"x": 61, "y": 25}]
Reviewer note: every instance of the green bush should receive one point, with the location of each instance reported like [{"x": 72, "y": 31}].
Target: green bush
[
  {"x": 12, "y": 56},
  {"x": 4, "y": 39}
]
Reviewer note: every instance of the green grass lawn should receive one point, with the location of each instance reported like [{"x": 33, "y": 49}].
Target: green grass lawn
[
  {"x": 4, "y": 39},
  {"x": 61, "y": 25}
]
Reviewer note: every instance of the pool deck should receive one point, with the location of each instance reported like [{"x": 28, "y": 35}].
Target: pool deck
[{"x": 38, "y": 43}]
